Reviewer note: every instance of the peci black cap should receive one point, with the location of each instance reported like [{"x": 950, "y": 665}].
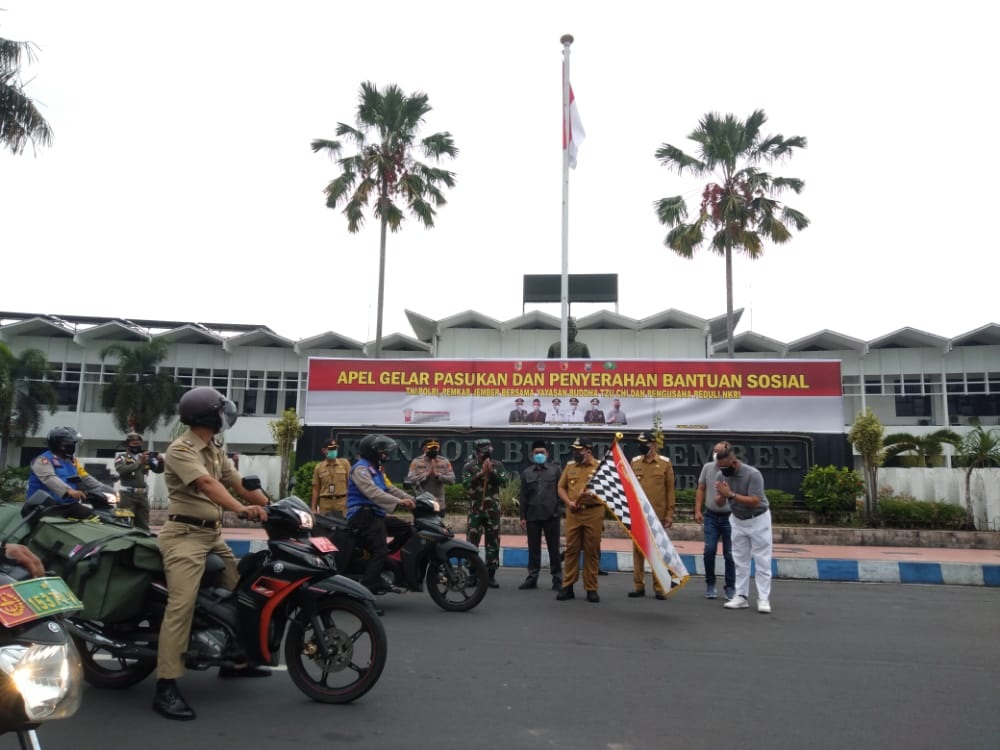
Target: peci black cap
[{"x": 539, "y": 444}]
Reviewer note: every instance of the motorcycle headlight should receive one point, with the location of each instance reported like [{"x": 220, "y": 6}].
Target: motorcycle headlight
[{"x": 49, "y": 678}]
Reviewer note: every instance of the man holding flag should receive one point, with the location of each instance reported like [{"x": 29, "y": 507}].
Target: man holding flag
[
  {"x": 616, "y": 484},
  {"x": 656, "y": 478}
]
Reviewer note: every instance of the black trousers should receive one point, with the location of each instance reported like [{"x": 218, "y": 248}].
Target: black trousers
[
  {"x": 373, "y": 530},
  {"x": 535, "y": 530}
]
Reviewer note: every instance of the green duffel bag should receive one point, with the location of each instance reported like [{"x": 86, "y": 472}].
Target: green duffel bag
[
  {"x": 10, "y": 517},
  {"x": 108, "y": 568}
]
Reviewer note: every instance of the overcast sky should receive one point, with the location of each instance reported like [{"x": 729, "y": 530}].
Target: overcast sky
[{"x": 181, "y": 184}]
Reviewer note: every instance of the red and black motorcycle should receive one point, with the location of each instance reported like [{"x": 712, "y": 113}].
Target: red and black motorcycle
[{"x": 334, "y": 642}]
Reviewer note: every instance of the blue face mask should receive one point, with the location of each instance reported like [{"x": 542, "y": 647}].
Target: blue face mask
[
  {"x": 331, "y": 454},
  {"x": 539, "y": 458}
]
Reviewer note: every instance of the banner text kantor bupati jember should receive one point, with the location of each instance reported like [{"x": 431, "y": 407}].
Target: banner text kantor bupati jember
[{"x": 735, "y": 394}]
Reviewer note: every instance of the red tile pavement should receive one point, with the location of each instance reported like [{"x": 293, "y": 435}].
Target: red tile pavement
[{"x": 793, "y": 551}]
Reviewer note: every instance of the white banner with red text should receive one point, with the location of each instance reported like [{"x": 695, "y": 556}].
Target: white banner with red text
[{"x": 733, "y": 394}]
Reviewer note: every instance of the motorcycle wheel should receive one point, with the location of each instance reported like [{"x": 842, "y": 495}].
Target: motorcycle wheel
[
  {"x": 109, "y": 672},
  {"x": 448, "y": 584},
  {"x": 356, "y": 639}
]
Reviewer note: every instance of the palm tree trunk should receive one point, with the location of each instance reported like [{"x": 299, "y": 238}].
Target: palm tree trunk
[
  {"x": 730, "y": 344},
  {"x": 381, "y": 285}
]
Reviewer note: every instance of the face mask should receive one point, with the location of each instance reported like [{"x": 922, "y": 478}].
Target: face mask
[
  {"x": 331, "y": 454},
  {"x": 432, "y": 454},
  {"x": 539, "y": 458},
  {"x": 135, "y": 449},
  {"x": 577, "y": 456},
  {"x": 486, "y": 453},
  {"x": 729, "y": 471}
]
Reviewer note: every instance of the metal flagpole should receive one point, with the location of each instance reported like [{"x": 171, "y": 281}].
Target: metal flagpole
[{"x": 567, "y": 40}]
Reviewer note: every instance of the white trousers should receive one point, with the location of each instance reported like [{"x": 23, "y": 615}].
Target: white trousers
[{"x": 752, "y": 537}]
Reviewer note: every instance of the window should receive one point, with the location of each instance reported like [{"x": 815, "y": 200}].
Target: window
[{"x": 913, "y": 406}]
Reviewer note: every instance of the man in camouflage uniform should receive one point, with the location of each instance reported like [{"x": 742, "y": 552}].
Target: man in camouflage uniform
[
  {"x": 132, "y": 466},
  {"x": 329, "y": 485},
  {"x": 482, "y": 478}
]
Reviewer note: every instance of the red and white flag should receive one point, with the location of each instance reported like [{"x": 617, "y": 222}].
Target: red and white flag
[
  {"x": 573, "y": 134},
  {"x": 616, "y": 484}
]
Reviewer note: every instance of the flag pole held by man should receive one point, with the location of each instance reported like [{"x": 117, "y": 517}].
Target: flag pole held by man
[{"x": 617, "y": 486}]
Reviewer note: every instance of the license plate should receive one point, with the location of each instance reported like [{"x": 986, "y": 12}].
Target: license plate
[
  {"x": 323, "y": 544},
  {"x": 24, "y": 601}
]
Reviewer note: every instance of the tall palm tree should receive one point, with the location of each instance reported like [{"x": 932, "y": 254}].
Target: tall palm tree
[
  {"x": 926, "y": 447},
  {"x": 739, "y": 206},
  {"x": 23, "y": 395},
  {"x": 139, "y": 396},
  {"x": 20, "y": 120},
  {"x": 385, "y": 172},
  {"x": 980, "y": 449}
]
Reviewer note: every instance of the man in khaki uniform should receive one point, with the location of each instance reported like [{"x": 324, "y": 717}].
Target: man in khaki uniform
[
  {"x": 329, "y": 490},
  {"x": 584, "y": 522},
  {"x": 197, "y": 476},
  {"x": 430, "y": 471},
  {"x": 656, "y": 477}
]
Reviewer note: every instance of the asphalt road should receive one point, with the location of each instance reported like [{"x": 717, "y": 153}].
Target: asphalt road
[{"x": 837, "y": 665}]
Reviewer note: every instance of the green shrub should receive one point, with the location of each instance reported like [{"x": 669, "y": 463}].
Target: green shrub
[
  {"x": 907, "y": 513},
  {"x": 685, "y": 498},
  {"x": 780, "y": 500},
  {"x": 14, "y": 483},
  {"x": 455, "y": 500},
  {"x": 304, "y": 481},
  {"x": 831, "y": 491}
]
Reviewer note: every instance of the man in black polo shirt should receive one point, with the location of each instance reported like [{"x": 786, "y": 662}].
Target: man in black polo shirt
[{"x": 743, "y": 486}]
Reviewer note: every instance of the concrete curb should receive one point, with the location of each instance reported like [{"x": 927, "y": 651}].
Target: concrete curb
[{"x": 816, "y": 569}]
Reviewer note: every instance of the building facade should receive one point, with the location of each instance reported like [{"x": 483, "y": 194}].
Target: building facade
[{"x": 914, "y": 381}]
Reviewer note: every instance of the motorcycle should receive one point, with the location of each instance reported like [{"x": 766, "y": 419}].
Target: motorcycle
[
  {"x": 40, "y": 669},
  {"x": 456, "y": 575},
  {"x": 334, "y": 642}
]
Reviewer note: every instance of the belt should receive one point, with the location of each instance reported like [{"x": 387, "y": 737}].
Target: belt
[
  {"x": 336, "y": 497},
  {"x": 756, "y": 513},
  {"x": 719, "y": 512},
  {"x": 134, "y": 490},
  {"x": 192, "y": 521},
  {"x": 590, "y": 505}
]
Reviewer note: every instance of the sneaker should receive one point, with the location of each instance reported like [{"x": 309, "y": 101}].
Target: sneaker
[
  {"x": 710, "y": 592},
  {"x": 737, "y": 602},
  {"x": 764, "y": 606},
  {"x": 729, "y": 592}
]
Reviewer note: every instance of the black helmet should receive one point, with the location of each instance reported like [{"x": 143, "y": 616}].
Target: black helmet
[
  {"x": 63, "y": 440},
  {"x": 373, "y": 446},
  {"x": 206, "y": 407},
  {"x": 289, "y": 518}
]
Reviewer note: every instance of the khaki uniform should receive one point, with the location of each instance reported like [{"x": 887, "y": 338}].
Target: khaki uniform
[
  {"x": 330, "y": 482},
  {"x": 656, "y": 478},
  {"x": 583, "y": 527},
  {"x": 185, "y": 544}
]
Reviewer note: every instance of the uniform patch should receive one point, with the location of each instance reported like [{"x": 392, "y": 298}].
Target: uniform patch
[{"x": 43, "y": 460}]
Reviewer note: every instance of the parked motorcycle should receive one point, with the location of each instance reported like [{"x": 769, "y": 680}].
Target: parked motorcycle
[
  {"x": 334, "y": 643},
  {"x": 456, "y": 575},
  {"x": 40, "y": 672}
]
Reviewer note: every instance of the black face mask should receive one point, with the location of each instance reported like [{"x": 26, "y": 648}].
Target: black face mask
[
  {"x": 578, "y": 457},
  {"x": 432, "y": 454},
  {"x": 728, "y": 471},
  {"x": 484, "y": 454},
  {"x": 135, "y": 449}
]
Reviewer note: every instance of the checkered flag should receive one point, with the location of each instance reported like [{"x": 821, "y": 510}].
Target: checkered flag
[{"x": 616, "y": 484}]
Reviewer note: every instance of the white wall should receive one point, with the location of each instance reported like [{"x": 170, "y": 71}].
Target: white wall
[{"x": 948, "y": 486}]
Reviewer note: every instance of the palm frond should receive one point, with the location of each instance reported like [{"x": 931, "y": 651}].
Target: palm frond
[
  {"x": 675, "y": 159},
  {"x": 684, "y": 239},
  {"x": 671, "y": 211},
  {"x": 794, "y": 217},
  {"x": 324, "y": 145}
]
